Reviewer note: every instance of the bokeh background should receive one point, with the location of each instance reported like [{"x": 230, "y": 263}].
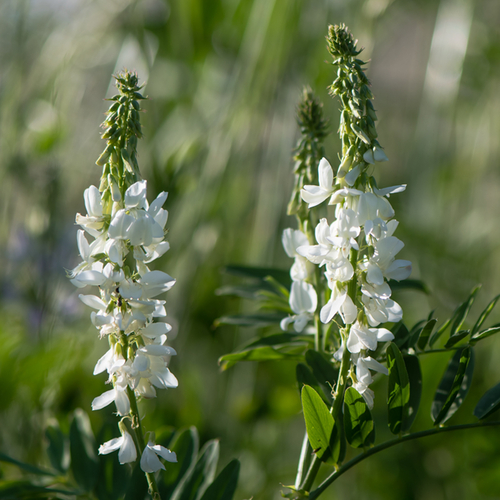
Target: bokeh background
[{"x": 223, "y": 80}]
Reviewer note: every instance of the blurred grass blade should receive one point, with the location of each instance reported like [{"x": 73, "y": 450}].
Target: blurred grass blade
[
  {"x": 398, "y": 390},
  {"x": 489, "y": 403},
  {"x": 358, "y": 421},
  {"x": 192, "y": 487},
  {"x": 258, "y": 354},
  {"x": 251, "y": 320},
  {"x": 32, "y": 469},
  {"x": 25, "y": 490},
  {"x": 186, "y": 445},
  {"x": 412, "y": 364},
  {"x": 225, "y": 483},
  {"x": 280, "y": 339},
  {"x": 280, "y": 275},
  {"x": 453, "y": 387},
  {"x": 57, "y": 449},
  {"x": 84, "y": 463}
]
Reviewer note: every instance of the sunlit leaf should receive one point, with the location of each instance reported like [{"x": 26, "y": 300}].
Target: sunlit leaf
[
  {"x": 358, "y": 421},
  {"x": 319, "y": 423},
  {"x": 412, "y": 365},
  {"x": 489, "y": 403},
  {"x": 453, "y": 387},
  {"x": 484, "y": 315},
  {"x": 401, "y": 334},
  {"x": 305, "y": 377},
  {"x": 398, "y": 390},
  {"x": 485, "y": 333},
  {"x": 279, "y": 339},
  {"x": 225, "y": 483}
]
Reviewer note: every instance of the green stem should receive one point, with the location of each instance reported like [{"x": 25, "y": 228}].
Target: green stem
[
  {"x": 388, "y": 444},
  {"x": 304, "y": 460},
  {"x": 137, "y": 428}
]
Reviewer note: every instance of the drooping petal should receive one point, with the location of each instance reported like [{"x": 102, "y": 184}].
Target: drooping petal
[
  {"x": 168, "y": 455},
  {"x": 110, "y": 446},
  {"x": 105, "y": 399},
  {"x": 149, "y": 461},
  {"x": 127, "y": 452}
]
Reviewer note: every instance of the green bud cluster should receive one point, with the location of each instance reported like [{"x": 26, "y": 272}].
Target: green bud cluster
[
  {"x": 309, "y": 150},
  {"x": 357, "y": 122},
  {"x": 122, "y": 128}
]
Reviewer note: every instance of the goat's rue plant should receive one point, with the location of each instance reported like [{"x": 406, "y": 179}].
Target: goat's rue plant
[
  {"x": 335, "y": 308},
  {"x": 128, "y": 235}
]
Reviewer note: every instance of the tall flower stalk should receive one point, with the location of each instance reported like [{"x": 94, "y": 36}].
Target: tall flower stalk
[
  {"x": 342, "y": 267},
  {"x": 128, "y": 234}
]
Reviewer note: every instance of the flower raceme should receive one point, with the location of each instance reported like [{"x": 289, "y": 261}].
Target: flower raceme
[
  {"x": 358, "y": 246},
  {"x": 125, "y": 242}
]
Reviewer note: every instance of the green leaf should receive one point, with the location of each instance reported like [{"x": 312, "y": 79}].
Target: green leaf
[
  {"x": 489, "y": 403},
  {"x": 485, "y": 333},
  {"x": 280, "y": 275},
  {"x": 458, "y": 318},
  {"x": 57, "y": 450},
  {"x": 484, "y": 315},
  {"x": 225, "y": 484},
  {"x": 193, "y": 486},
  {"x": 401, "y": 334},
  {"x": 462, "y": 311},
  {"x": 254, "y": 320},
  {"x": 358, "y": 421},
  {"x": 323, "y": 371},
  {"x": 398, "y": 390},
  {"x": 258, "y": 354},
  {"x": 185, "y": 443},
  {"x": 32, "y": 469},
  {"x": 454, "y": 386},
  {"x": 456, "y": 338},
  {"x": 412, "y": 365},
  {"x": 426, "y": 333},
  {"x": 319, "y": 423},
  {"x": 84, "y": 464},
  {"x": 306, "y": 377}
]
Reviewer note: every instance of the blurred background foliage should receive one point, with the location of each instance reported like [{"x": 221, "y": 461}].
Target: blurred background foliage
[{"x": 223, "y": 80}]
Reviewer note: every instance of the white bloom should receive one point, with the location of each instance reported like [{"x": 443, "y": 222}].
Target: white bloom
[
  {"x": 149, "y": 460},
  {"x": 293, "y": 239},
  {"x": 303, "y": 302},
  {"x": 125, "y": 444},
  {"x": 119, "y": 395},
  {"x": 361, "y": 337},
  {"x": 314, "y": 195}
]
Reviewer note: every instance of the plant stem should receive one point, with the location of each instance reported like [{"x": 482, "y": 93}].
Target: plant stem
[
  {"x": 388, "y": 444},
  {"x": 137, "y": 428}
]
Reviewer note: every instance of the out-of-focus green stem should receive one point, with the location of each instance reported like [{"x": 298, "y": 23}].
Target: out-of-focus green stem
[{"x": 137, "y": 428}]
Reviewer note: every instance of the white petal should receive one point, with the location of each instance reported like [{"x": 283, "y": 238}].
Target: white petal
[
  {"x": 93, "y": 301},
  {"x": 104, "y": 399},
  {"x": 122, "y": 402},
  {"x": 352, "y": 175},
  {"x": 331, "y": 308},
  {"x": 127, "y": 452},
  {"x": 149, "y": 461},
  {"x": 135, "y": 196},
  {"x": 158, "y": 350},
  {"x": 93, "y": 278},
  {"x": 325, "y": 174},
  {"x": 110, "y": 446},
  {"x": 155, "y": 207},
  {"x": 103, "y": 362},
  {"x": 168, "y": 455},
  {"x": 314, "y": 195},
  {"x": 155, "y": 330}
]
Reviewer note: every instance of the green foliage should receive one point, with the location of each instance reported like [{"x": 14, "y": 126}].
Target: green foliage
[
  {"x": 358, "y": 421},
  {"x": 489, "y": 403},
  {"x": 453, "y": 386},
  {"x": 398, "y": 399}
]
